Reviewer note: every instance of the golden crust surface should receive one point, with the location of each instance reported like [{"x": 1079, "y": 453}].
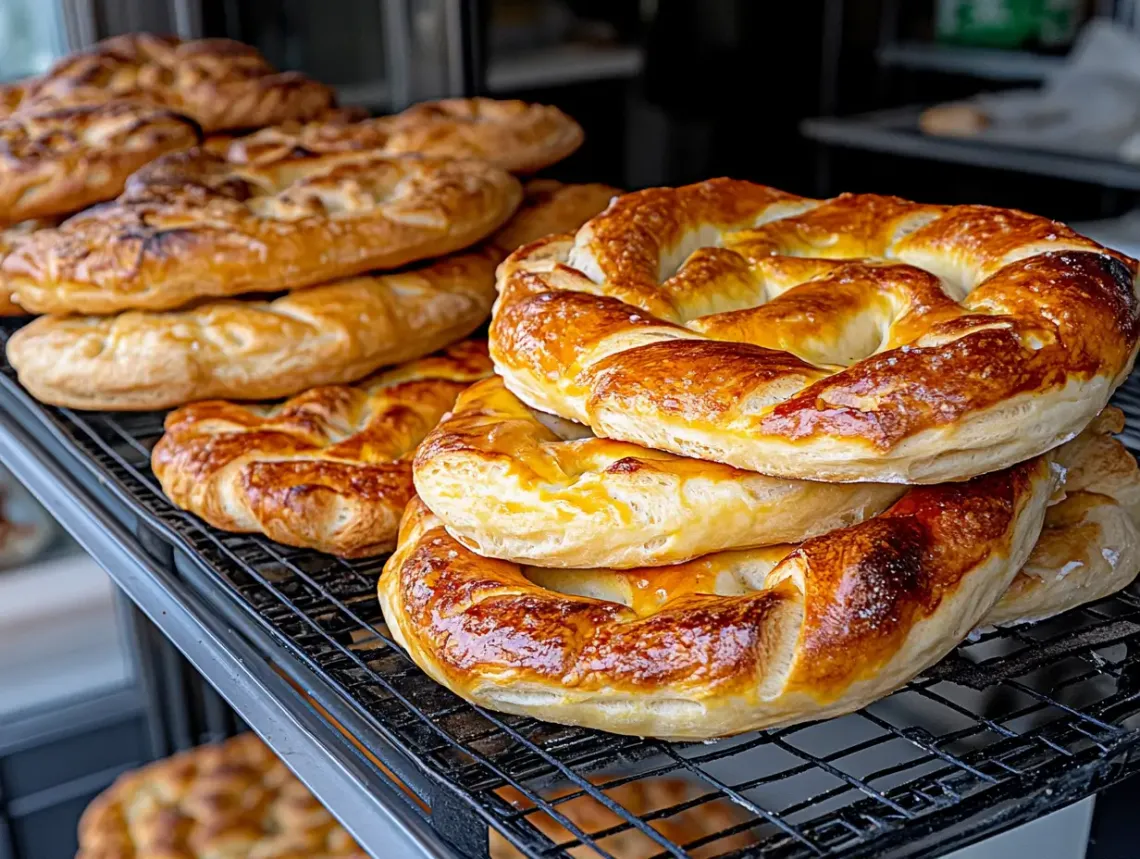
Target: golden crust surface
[
  {"x": 219, "y": 83},
  {"x": 10, "y": 236},
  {"x": 329, "y": 469},
  {"x": 511, "y": 484},
  {"x": 514, "y": 135},
  {"x": 862, "y": 338},
  {"x": 233, "y": 799},
  {"x": 842, "y": 620},
  {"x": 746, "y": 639},
  {"x": 64, "y": 160},
  {"x": 193, "y": 225},
  {"x": 334, "y": 333}
]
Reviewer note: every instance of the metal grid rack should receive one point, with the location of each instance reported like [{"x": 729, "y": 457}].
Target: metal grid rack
[{"x": 1012, "y": 725}]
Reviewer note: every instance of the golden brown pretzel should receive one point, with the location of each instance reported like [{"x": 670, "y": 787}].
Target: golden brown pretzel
[
  {"x": 329, "y": 470},
  {"x": 193, "y": 225},
  {"x": 514, "y": 135},
  {"x": 218, "y": 83},
  {"x": 859, "y": 338},
  {"x": 321, "y": 335},
  {"x": 533, "y": 489},
  {"x": 841, "y": 621},
  {"x": 64, "y": 160}
]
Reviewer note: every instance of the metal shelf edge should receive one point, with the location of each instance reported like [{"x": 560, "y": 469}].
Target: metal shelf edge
[
  {"x": 875, "y": 132},
  {"x": 378, "y": 816},
  {"x": 995, "y": 64}
]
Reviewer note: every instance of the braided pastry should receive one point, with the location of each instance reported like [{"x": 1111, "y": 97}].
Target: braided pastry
[
  {"x": 232, "y": 799},
  {"x": 726, "y": 643},
  {"x": 513, "y": 135},
  {"x": 63, "y": 160},
  {"x": 859, "y": 338},
  {"x": 218, "y": 83},
  {"x": 329, "y": 334},
  {"x": 329, "y": 469},
  {"x": 534, "y": 489},
  {"x": 193, "y": 225},
  {"x": 10, "y": 236}
]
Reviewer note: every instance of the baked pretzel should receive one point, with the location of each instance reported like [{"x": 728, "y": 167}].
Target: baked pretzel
[
  {"x": 514, "y": 135},
  {"x": 232, "y": 799},
  {"x": 533, "y": 489},
  {"x": 841, "y": 621},
  {"x": 329, "y": 334},
  {"x": 193, "y": 225},
  {"x": 1090, "y": 545},
  {"x": 219, "y": 83},
  {"x": 861, "y": 338},
  {"x": 64, "y": 160},
  {"x": 329, "y": 469}
]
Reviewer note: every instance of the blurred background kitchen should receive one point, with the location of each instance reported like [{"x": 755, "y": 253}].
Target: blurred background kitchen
[{"x": 1026, "y": 103}]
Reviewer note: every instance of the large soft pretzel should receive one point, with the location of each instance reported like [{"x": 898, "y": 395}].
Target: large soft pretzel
[
  {"x": 329, "y": 469},
  {"x": 241, "y": 349},
  {"x": 514, "y": 135},
  {"x": 192, "y": 224},
  {"x": 859, "y": 338},
  {"x": 219, "y": 83},
  {"x": 747, "y": 639},
  {"x": 533, "y": 489},
  {"x": 64, "y": 160}
]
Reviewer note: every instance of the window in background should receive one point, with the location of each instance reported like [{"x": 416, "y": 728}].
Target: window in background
[{"x": 31, "y": 37}]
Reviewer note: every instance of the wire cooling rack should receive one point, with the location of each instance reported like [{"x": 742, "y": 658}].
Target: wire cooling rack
[{"x": 1013, "y": 724}]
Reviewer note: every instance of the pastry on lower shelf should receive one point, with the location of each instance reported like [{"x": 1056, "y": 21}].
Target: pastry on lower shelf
[
  {"x": 243, "y": 349},
  {"x": 864, "y": 338},
  {"x": 238, "y": 799},
  {"x": 194, "y": 225},
  {"x": 757, "y": 638},
  {"x": 329, "y": 469}
]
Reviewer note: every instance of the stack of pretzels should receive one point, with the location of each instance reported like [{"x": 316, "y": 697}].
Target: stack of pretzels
[{"x": 750, "y": 459}]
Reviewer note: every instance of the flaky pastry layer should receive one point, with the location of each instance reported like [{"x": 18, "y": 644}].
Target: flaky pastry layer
[{"x": 329, "y": 334}]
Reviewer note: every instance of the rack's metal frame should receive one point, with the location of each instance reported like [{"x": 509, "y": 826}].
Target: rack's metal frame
[{"x": 383, "y": 818}]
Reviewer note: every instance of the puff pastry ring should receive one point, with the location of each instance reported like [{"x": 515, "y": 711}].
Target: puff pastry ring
[
  {"x": 862, "y": 338},
  {"x": 530, "y": 488},
  {"x": 841, "y": 621}
]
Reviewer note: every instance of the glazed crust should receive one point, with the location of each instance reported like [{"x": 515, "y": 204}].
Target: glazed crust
[
  {"x": 10, "y": 236},
  {"x": 514, "y": 135},
  {"x": 232, "y": 799},
  {"x": 862, "y": 338},
  {"x": 218, "y": 83},
  {"x": 329, "y": 334},
  {"x": 64, "y": 160},
  {"x": 328, "y": 470},
  {"x": 510, "y": 484},
  {"x": 841, "y": 621},
  {"x": 192, "y": 225}
]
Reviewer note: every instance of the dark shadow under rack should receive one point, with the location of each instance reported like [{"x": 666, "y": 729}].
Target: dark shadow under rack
[{"x": 1015, "y": 723}]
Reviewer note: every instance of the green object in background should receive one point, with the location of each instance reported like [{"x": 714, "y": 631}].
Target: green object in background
[{"x": 1007, "y": 23}]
